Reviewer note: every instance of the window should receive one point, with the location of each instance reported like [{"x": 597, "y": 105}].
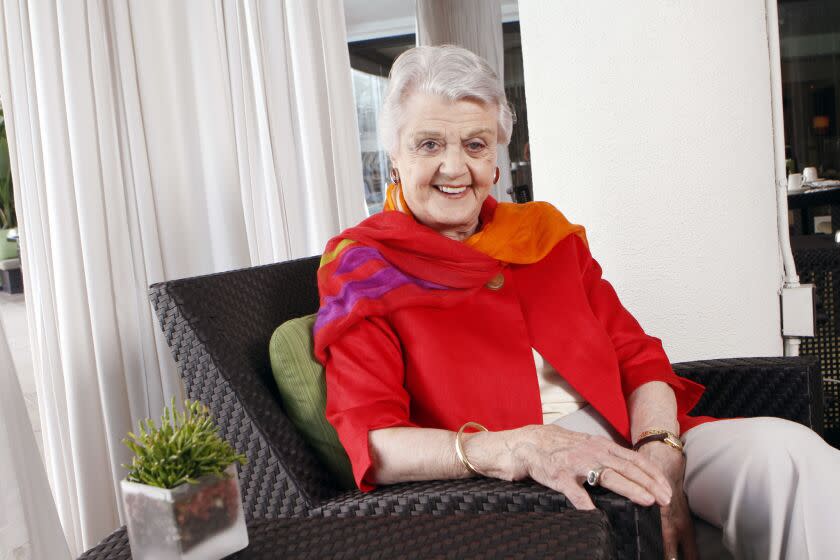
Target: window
[
  {"x": 809, "y": 37},
  {"x": 809, "y": 34},
  {"x": 371, "y": 62}
]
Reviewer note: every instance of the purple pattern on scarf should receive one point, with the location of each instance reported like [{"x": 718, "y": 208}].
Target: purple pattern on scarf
[
  {"x": 355, "y": 256},
  {"x": 373, "y": 287}
]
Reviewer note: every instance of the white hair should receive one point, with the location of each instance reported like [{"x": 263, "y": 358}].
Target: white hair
[{"x": 451, "y": 72}]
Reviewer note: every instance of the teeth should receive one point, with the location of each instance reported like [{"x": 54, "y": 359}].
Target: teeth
[{"x": 451, "y": 190}]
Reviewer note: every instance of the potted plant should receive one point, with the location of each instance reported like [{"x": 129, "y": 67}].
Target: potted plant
[
  {"x": 181, "y": 495},
  {"x": 8, "y": 220}
]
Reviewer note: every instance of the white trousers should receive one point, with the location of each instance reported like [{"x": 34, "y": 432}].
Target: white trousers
[{"x": 772, "y": 486}]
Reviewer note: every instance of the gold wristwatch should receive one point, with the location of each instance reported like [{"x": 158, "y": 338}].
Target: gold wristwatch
[{"x": 666, "y": 437}]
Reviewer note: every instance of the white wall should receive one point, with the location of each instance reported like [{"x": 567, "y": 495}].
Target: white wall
[{"x": 650, "y": 124}]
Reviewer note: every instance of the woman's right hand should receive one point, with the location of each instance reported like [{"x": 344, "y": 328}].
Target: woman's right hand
[{"x": 560, "y": 459}]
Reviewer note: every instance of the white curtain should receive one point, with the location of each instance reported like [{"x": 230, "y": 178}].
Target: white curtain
[
  {"x": 153, "y": 140},
  {"x": 297, "y": 141},
  {"x": 33, "y": 531},
  {"x": 475, "y": 25}
]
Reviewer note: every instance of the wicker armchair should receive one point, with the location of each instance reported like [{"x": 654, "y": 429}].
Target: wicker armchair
[{"x": 218, "y": 327}]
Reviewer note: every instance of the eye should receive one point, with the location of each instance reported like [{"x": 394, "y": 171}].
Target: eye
[
  {"x": 429, "y": 145},
  {"x": 475, "y": 146}
]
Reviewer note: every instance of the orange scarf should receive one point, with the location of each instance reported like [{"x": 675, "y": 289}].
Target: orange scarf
[{"x": 514, "y": 233}]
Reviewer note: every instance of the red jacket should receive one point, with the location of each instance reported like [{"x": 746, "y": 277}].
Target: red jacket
[{"x": 442, "y": 367}]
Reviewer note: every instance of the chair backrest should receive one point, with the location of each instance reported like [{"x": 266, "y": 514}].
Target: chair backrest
[{"x": 218, "y": 328}]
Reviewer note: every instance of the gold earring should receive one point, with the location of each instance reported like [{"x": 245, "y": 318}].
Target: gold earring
[
  {"x": 395, "y": 176},
  {"x": 498, "y": 175}
]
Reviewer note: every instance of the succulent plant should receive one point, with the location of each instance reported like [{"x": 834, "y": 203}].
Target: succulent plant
[{"x": 185, "y": 447}]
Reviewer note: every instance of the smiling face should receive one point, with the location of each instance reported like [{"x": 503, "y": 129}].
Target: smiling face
[{"x": 446, "y": 159}]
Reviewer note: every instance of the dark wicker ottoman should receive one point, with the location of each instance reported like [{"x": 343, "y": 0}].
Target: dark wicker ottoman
[{"x": 583, "y": 535}]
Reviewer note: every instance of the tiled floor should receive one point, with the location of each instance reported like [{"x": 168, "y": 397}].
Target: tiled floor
[{"x": 13, "y": 315}]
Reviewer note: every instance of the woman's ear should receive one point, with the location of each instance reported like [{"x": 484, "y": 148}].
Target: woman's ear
[{"x": 395, "y": 165}]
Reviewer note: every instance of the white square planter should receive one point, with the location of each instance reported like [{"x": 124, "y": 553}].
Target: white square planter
[{"x": 202, "y": 521}]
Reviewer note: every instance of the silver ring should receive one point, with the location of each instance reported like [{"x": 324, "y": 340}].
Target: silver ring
[{"x": 593, "y": 477}]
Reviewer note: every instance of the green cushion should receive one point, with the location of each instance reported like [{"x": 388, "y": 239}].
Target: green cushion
[{"x": 303, "y": 388}]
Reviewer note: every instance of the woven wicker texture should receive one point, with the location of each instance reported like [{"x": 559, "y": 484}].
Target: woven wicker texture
[
  {"x": 636, "y": 530},
  {"x": 821, "y": 267},
  {"x": 223, "y": 322},
  {"x": 113, "y": 547},
  {"x": 573, "y": 535},
  {"x": 784, "y": 387},
  {"x": 218, "y": 328}
]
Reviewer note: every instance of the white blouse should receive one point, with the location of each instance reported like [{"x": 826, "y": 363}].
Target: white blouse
[{"x": 558, "y": 398}]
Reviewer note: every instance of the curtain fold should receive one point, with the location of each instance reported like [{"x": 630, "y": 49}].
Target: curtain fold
[
  {"x": 29, "y": 525},
  {"x": 475, "y": 25},
  {"x": 155, "y": 140},
  {"x": 295, "y": 124}
]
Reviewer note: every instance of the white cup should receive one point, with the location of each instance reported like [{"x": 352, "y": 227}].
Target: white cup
[
  {"x": 809, "y": 174},
  {"x": 794, "y": 181}
]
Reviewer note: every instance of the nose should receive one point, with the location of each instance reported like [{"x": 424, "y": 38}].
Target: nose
[{"x": 454, "y": 164}]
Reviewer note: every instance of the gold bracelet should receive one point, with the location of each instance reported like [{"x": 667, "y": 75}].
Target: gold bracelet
[
  {"x": 459, "y": 446},
  {"x": 655, "y": 431}
]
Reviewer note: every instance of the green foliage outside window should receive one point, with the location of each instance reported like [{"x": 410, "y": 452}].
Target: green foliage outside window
[{"x": 7, "y": 203}]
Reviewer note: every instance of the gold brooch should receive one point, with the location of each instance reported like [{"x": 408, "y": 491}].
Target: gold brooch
[{"x": 496, "y": 282}]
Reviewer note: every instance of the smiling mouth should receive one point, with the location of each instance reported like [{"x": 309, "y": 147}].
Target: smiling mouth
[{"x": 454, "y": 189}]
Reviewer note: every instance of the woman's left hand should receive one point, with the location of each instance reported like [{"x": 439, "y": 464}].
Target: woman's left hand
[{"x": 677, "y": 526}]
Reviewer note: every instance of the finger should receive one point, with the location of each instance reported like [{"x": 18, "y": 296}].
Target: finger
[
  {"x": 643, "y": 463},
  {"x": 688, "y": 543},
  {"x": 670, "y": 535},
  {"x": 570, "y": 488},
  {"x": 633, "y": 472},
  {"x": 577, "y": 496},
  {"x": 566, "y": 485},
  {"x": 618, "y": 483},
  {"x": 670, "y": 546}
]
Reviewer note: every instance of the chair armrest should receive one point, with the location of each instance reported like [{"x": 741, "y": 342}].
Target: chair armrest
[
  {"x": 636, "y": 529},
  {"x": 789, "y": 387}
]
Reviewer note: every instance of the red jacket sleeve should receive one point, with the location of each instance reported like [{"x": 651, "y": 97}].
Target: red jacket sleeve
[
  {"x": 365, "y": 391},
  {"x": 641, "y": 357}
]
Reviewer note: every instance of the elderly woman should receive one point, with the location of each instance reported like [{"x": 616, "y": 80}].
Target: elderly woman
[{"x": 450, "y": 312}]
